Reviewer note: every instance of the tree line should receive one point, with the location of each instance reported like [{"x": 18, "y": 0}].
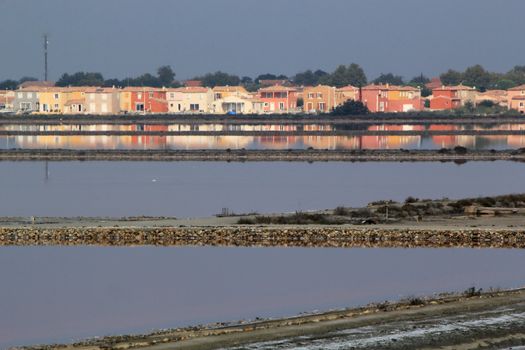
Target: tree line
[{"x": 352, "y": 74}]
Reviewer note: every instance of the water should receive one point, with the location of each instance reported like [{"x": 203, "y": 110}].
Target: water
[
  {"x": 261, "y": 142},
  {"x": 196, "y": 189},
  {"x": 52, "y": 294},
  {"x": 58, "y": 294}
]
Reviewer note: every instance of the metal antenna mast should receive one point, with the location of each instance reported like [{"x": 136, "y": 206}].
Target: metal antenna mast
[{"x": 46, "y": 42}]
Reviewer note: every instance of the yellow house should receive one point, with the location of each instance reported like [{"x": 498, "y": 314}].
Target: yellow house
[
  {"x": 125, "y": 99},
  {"x": 62, "y": 100}
]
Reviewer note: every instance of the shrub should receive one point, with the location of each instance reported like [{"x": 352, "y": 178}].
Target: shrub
[{"x": 341, "y": 211}]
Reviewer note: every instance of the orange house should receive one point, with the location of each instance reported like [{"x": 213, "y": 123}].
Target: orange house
[
  {"x": 319, "y": 99},
  {"x": 145, "y": 100},
  {"x": 516, "y": 98},
  {"x": 451, "y": 97},
  {"x": 278, "y": 99}
]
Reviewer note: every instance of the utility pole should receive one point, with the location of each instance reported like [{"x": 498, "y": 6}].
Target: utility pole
[{"x": 46, "y": 42}]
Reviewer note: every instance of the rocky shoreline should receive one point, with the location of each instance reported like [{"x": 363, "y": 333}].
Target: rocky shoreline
[
  {"x": 261, "y": 236},
  {"x": 458, "y": 155}
]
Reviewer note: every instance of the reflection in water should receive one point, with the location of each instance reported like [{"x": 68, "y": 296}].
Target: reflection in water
[
  {"x": 261, "y": 142},
  {"x": 61, "y": 294}
]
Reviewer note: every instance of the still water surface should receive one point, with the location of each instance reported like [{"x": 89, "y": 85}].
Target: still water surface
[
  {"x": 63, "y": 294},
  {"x": 196, "y": 189}
]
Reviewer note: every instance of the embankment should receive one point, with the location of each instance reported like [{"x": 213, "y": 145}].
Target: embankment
[
  {"x": 241, "y": 155},
  {"x": 271, "y": 236}
]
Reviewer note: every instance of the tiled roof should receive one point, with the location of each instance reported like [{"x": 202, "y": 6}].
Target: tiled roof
[
  {"x": 277, "y": 88},
  {"x": 75, "y": 102},
  {"x": 142, "y": 89},
  {"x": 389, "y": 87},
  {"x": 190, "y": 89},
  {"x": 347, "y": 88},
  {"x": 456, "y": 87},
  {"x": 517, "y": 88},
  {"x": 37, "y": 84}
]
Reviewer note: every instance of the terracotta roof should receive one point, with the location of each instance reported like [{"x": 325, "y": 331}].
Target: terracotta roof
[
  {"x": 347, "y": 88},
  {"x": 193, "y": 83},
  {"x": 142, "y": 89},
  {"x": 75, "y": 102},
  {"x": 518, "y": 98},
  {"x": 517, "y": 88},
  {"x": 37, "y": 84},
  {"x": 229, "y": 89},
  {"x": 102, "y": 90},
  {"x": 389, "y": 87},
  {"x": 277, "y": 88},
  {"x": 434, "y": 83},
  {"x": 190, "y": 89},
  {"x": 456, "y": 87}
]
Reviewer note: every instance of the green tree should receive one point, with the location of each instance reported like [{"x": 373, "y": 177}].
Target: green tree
[
  {"x": 419, "y": 80},
  {"x": 451, "y": 77},
  {"x": 517, "y": 75},
  {"x": 310, "y": 78},
  {"x": 356, "y": 75},
  {"x": 166, "y": 76},
  {"x": 81, "y": 79},
  {"x": 219, "y": 79},
  {"x": 24, "y": 79},
  {"x": 477, "y": 76},
  {"x": 351, "y": 107},
  {"x": 503, "y": 84},
  {"x": 389, "y": 78},
  {"x": 9, "y": 85}
]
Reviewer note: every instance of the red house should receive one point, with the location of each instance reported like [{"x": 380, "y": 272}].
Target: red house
[
  {"x": 391, "y": 98},
  {"x": 146, "y": 99},
  {"x": 451, "y": 97},
  {"x": 279, "y": 99}
]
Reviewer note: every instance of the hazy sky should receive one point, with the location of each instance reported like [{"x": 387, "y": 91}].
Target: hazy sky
[{"x": 249, "y": 37}]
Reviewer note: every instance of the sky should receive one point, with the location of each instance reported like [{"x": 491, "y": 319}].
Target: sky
[{"x": 122, "y": 38}]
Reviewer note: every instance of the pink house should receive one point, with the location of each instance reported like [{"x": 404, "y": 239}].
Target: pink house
[{"x": 278, "y": 99}]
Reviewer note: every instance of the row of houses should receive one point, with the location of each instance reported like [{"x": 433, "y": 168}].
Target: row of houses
[{"x": 276, "y": 99}]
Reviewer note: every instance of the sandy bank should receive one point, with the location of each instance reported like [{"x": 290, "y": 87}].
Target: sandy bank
[{"x": 465, "y": 321}]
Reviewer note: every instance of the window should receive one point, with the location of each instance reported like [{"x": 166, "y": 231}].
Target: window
[
  {"x": 56, "y": 96},
  {"x": 25, "y": 106},
  {"x": 56, "y": 106},
  {"x": 139, "y": 96},
  {"x": 322, "y": 106},
  {"x": 139, "y": 107},
  {"x": 20, "y": 95},
  {"x": 319, "y": 95},
  {"x": 218, "y": 96},
  {"x": 45, "y": 107},
  {"x": 194, "y": 107},
  {"x": 29, "y": 95},
  {"x": 521, "y": 104},
  {"x": 172, "y": 95},
  {"x": 310, "y": 95},
  {"x": 281, "y": 106},
  {"x": 150, "y": 94}
]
